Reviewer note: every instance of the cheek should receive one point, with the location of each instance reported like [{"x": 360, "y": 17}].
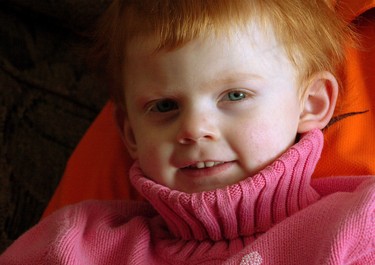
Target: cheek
[
  {"x": 150, "y": 162},
  {"x": 264, "y": 141},
  {"x": 149, "y": 151},
  {"x": 252, "y": 138},
  {"x": 154, "y": 158},
  {"x": 255, "y": 150}
]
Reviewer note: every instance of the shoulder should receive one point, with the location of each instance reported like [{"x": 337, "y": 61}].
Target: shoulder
[
  {"x": 330, "y": 185},
  {"x": 349, "y": 217},
  {"x": 337, "y": 229},
  {"x": 94, "y": 213},
  {"x": 100, "y": 221},
  {"x": 95, "y": 210},
  {"x": 351, "y": 197},
  {"x": 75, "y": 231}
]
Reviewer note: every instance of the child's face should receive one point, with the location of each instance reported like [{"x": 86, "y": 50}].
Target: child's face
[{"x": 211, "y": 113}]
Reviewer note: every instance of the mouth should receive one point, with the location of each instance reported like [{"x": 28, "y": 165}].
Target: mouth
[
  {"x": 208, "y": 171},
  {"x": 202, "y": 165}
]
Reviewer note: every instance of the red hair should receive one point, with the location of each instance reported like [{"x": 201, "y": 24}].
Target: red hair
[{"x": 312, "y": 33}]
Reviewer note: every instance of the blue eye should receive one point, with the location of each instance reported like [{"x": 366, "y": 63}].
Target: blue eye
[
  {"x": 164, "y": 105},
  {"x": 235, "y": 96}
]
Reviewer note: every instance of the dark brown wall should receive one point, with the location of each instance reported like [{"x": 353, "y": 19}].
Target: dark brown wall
[{"x": 48, "y": 99}]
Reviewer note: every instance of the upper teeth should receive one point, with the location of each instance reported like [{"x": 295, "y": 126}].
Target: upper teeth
[{"x": 206, "y": 164}]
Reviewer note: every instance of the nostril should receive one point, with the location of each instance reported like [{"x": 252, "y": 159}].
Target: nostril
[
  {"x": 186, "y": 141},
  {"x": 191, "y": 140}
]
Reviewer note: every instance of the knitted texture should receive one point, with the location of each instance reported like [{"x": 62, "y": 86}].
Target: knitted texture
[{"x": 273, "y": 217}]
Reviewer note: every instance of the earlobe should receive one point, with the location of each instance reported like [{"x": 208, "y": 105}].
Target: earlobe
[
  {"x": 126, "y": 132},
  {"x": 318, "y": 102}
]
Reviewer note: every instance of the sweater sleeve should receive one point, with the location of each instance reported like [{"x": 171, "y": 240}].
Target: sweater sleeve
[
  {"x": 349, "y": 224},
  {"x": 338, "y": 229},
  {"x": 68, "y": 236},
  {"x": 34, "y": 247},
  {"x": 363, "y": 217}
]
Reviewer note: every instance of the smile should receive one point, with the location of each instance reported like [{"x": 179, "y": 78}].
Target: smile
[{"x": 208, "y": 164}]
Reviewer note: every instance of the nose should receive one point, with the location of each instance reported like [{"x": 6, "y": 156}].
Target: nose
[{"x": 196, "y": 127}]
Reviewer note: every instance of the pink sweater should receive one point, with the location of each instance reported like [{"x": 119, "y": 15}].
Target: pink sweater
[{"x": 274, "y": 217}]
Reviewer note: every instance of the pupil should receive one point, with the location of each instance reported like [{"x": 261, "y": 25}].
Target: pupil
[
  {"x": 236, "y": 95},
  {"x": 166, "y": 105}
]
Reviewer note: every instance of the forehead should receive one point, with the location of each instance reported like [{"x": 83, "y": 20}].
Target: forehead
[
  {"x": 252, "y": 37},
  {"x": 243, "y": 52}
]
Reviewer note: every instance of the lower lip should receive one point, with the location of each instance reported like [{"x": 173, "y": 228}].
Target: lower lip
[{"x": 208, "y": 171}]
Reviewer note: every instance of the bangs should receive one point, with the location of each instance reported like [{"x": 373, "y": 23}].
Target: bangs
[
  {"x": 312, "y": 33},
  {"x": 175, "y": 23}
]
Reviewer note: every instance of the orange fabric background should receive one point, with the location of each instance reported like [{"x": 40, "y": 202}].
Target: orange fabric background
[
  {"x": 98, "y": 167},
  {"x": 350, "y": 144}
]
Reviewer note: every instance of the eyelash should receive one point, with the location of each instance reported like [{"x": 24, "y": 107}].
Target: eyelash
[
  {"x": 169, "y": 105},
  {"x": 236, "y": 93},
  {"x": 157, "y": 105}
]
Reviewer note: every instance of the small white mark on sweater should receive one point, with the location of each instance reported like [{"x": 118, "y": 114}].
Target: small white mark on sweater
[{"x": 253, "y": 258}]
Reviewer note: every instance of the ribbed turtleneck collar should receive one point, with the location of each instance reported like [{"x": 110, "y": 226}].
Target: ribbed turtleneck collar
[{"x": 245, "y": 209}]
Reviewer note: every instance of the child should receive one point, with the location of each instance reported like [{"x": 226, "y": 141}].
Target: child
[{"x": 221, "y": 105}]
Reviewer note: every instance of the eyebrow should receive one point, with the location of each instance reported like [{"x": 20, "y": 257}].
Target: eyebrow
[{"x": 233, "y": 77}]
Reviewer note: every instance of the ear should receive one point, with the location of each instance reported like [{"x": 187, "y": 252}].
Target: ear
[
  {"x": 126, "y": 131},
  {"x": 318, "y": 102}
]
